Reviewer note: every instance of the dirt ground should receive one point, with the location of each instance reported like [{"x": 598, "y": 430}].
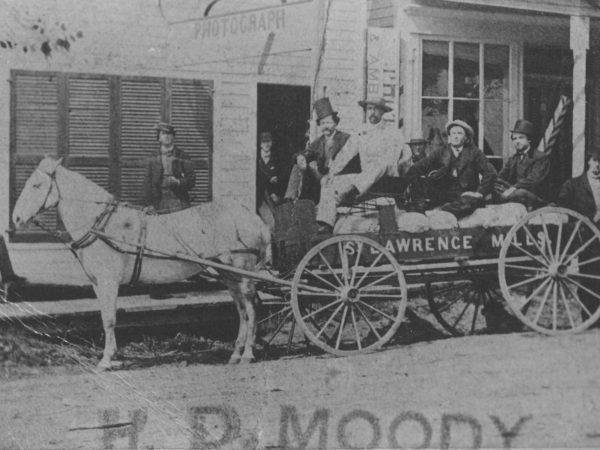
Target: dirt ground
[{"x": 491, "y": 391}]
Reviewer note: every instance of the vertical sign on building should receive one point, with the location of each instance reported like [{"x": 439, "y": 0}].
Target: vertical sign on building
[{"x": 383, "y": 64}]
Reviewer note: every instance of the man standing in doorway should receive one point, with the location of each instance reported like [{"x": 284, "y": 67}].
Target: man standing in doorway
[
  {"x": 169, "y": 174},
  {"x": 382, "y": 152},
  {"x": 268, "y": 183},
  {"x": 312, "y": 165}
]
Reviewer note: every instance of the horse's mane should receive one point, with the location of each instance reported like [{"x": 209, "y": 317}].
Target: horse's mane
[{"x": 81, "y": 187}]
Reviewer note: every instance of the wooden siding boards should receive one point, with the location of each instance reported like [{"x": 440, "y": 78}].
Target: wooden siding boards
[{"x": 562, "y": 7}]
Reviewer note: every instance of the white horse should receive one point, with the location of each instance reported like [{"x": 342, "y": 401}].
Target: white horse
[{"x": 109, "y": 238}]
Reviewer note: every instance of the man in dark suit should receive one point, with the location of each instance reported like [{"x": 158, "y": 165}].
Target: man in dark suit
[
  {"x": 169, "y": 174},
  {"x": 454, "y": 172},
  {"x": 582, "y": 194},
  {"x": 311, "y": 166},
  {"x": 523, "y": 177},
  {"x": 268, "y": 179}
]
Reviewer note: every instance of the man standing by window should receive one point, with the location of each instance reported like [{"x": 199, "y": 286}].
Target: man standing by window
[{"x": 169, "y": 174}]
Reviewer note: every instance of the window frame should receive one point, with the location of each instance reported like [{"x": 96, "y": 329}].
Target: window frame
[{"x": 113, "y": 158}]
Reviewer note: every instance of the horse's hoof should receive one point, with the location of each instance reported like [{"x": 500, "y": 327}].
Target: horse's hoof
[
  {"x": 235, "y": 359},
  {"x": 108, "y": 365},
  {"x": 246, "y": 360}
]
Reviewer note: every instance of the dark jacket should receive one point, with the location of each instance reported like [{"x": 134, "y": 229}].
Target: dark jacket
[
  {"x": 576, "y": 194},
  {"x": 470, "y": 164},
  {"x": 531, "y": 173},
  {"x": 183, "y": 170},
  {"x": 316, "y": 150},
  {"x": 264, "y": 173}
]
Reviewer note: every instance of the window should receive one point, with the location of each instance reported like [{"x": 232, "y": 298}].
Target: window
[
  {"x": 469, "y": 82},
  {"x": 103, "y": 128}
]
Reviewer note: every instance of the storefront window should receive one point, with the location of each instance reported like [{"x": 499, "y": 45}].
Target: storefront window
[{"x": 452, "y": 89}]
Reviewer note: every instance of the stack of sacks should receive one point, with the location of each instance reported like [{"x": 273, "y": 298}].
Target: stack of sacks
[
  {"x": 505, "y": 214},
  {"x": 441, "y": 220},
  {"x": 412, "y": 222},
  {"x": 357, "y": 223},
  {"x": 550, "y": 218}
]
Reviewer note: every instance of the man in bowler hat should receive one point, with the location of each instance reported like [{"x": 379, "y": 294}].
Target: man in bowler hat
[
  {"x": 382, "y": 151},
  {"x": 311, "y": 166},
  {"x": 454, "y": 172},
  {"x": 268, "y": 183},
  {"x": 169, "y": 174},
  {"x": 523, "y": 177}
]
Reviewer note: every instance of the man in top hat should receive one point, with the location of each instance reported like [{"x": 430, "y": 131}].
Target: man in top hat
[
  {"x": 169, "y": 174},
  {"x": 582, "y": 194},
  {"x": 523, "y": 177},
  {"x": 382, "y": 151},
  {"x": 454, "y": 171},
  {"x": 269, "y": 173},
  {"x": 313, "y": 164}
]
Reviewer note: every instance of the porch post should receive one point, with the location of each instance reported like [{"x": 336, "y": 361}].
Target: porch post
[{"x": 580, "y": 43}]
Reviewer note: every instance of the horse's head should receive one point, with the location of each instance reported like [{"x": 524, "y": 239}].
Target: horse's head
[{"x": 39, "y": 193}]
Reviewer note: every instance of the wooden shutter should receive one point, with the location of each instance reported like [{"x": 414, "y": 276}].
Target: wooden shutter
[
  {"x": 89, "y": 127},
  {"x": 191, "y": 115},
  {"x": 34, "y": 113},
  {"x": 140, "y": 101}
]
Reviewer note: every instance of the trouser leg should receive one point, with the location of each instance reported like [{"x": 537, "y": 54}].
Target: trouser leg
[
  {"x": 294, "y": 184},
  {"x": 6, "y": 268}
]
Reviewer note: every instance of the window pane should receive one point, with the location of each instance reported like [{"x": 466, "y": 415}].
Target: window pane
[
  {"x": 434, "y": 119},
  {"x": 468, "y": 111},
  {"x": 495, "y": 127},
  {"x": 435, "y": 69},
  {"x": 466, "y": 70},
  {"x": 496, "y": 72}
]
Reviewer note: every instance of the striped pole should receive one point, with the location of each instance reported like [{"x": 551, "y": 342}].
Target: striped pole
[{"x": 549, "y": 139}]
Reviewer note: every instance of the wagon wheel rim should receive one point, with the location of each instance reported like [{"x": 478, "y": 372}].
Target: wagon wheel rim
[
  {"x": 543, "y": 286},
  {"x": 344, "y": 304},
  {"x": 461, "y": 312}
]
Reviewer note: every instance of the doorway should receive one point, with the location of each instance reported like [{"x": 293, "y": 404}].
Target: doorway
[{"x": 284, "y": 111}]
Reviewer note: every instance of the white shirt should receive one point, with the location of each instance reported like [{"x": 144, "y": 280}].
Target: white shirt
[{"x": 376, "y": 145}]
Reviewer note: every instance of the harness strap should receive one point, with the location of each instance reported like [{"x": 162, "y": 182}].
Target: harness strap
[
  {"x": 137, "y": 266},
  {"x": 99, "y": 225}
]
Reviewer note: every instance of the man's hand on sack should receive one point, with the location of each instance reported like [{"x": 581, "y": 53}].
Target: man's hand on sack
[
  {"x": 436, "y": 175},
  {"x": 170, "y": 180},
  {"x": 472, "y": 194},
  {"x": 273, "y": 180}
]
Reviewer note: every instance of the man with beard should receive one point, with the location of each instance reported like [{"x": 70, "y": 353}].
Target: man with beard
[
  {"x": 382, "y": 152},
  {"x": 454, "y": 172},
  {"x": 311, "y": 166},
  {"x": 582, "y": 194},
  {"x": 523, "y": 177}
]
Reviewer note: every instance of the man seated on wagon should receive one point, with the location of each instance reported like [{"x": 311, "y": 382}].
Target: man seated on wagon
[
  {"x": 313, "y": 164},
  {"x": 523, "y": 177},
  {"x": 382, "y": 152},
  {"x": 454, "y": 172}
]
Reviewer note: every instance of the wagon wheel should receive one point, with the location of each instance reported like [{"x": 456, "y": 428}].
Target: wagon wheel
[
  {"x": 459, "y": 306},
  {"x": 349, "y": 295},
  {"x": 548, "y": 270}
]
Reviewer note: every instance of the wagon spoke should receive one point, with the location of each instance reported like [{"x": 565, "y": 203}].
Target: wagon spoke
[
  {"x": 577, "y": 298},
  {"x": 554, "y": 305},
  {"x": 530, "y": 268},
  {"x": 281, "y": 311},
  {"x": 457, "y": 295},
  {"x": 537, "y": 245},
  {"x": 561, "y": 290},
  {"x": 558, "y": 240},
  {"x": 379, "y": 280},
  {"x": 383, "y": 295},
  {"x": 534, "y": 293},
  {"x": 462, "y": 313},
  {"x": 341, "y": 329},
  {"x": 354, "y": 269},
  {"x": 589, "y": 261},
  {"x": 319, "y": 294},
  {"x": 353, "y": 316},
  {"x": 377, "y": 311},
  {"x": 291, "y": 336},
  {"x": 280, "y": 326},
  {"x": 323, "y": 308},
  {"x": 375, "y": 261},
  {"x": 581, "y": 286},
  {"x": 330, "y": 269},
  {"x": 546, "y": 243},
  {"x": 542, "y": 304},
  {"x": 318, "y": 277},
  {"x": 345, "y": 266},
  {"x": 585, "y": 275},
  {"x": 337, "y": 310},
  {"x": 580, "y": 249},
  {"x": 570, "y": 241},
  {"x": 524, "y": 282},
  {"x": 532, "y": 256},
  {"x": 368, "y": 322}
]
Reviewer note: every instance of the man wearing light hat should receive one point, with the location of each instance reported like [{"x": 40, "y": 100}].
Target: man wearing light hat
[
  {"x": 311, "y": 166},
  {"x": 454, "y": 171},
  {"x": 169, "y": 174},
  {"x": 523, "y": 177},
  {"x": 382, "y": 152}
]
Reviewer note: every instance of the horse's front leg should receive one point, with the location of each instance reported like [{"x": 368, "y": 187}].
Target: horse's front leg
[
  {"x": 234, "y": 290},
  {"x": 248, "y": 295},
  {"x": 107, "y": 292}
]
